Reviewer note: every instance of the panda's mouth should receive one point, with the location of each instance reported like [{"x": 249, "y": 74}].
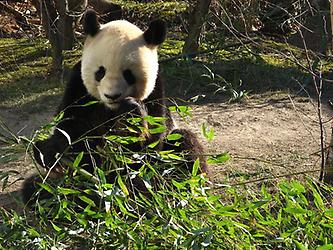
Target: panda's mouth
[
  {"x": 117, "y": 101},
  {"x": 113, "y": 102},
  {"x": 112, "y": 105}
]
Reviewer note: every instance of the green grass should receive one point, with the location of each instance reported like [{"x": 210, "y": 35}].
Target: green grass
[{"x": 266, "y": 67}]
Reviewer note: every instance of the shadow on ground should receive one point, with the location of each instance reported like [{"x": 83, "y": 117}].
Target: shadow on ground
[{"x": 253, "y": 75}]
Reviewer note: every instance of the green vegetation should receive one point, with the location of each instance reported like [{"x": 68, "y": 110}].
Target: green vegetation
[{"x": 173, "y": 214}]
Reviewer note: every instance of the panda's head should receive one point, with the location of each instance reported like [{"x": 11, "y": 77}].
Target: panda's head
[{"x": 120, "y": 60}]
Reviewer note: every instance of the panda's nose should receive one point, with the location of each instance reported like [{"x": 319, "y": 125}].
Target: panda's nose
[{"x": 112, "y": 97}]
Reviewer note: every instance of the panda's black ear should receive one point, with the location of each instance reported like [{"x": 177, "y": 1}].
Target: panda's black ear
[
  {"x": 90, "y": 23},
  {"x": 156, "y": 32}
]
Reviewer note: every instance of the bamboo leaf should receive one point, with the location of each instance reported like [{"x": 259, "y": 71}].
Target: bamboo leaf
[
  {"x": 122, "y": 185},
  {"x": 66, "y": 135},
  {"x": 174, "y": 137},
  {"x": 46, "y": 187},
  {"x": 67, "y": 191},
  {"x": 78, "y": 160},
  {"x": 208, "y": 133},
  {"x": 154, "y": 144},
  {"x": 89, "y": 103},
  {"x": 196, "y": 166},
  {"x": 87, "y": 200},
  {"x": 220, "y": 158}
]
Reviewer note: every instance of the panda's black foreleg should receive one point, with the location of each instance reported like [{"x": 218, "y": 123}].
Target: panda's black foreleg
[
  {"x": 29, "y": 190},
  {"x": 188, "y": 145},
  {"x": 45, "y": 154}
]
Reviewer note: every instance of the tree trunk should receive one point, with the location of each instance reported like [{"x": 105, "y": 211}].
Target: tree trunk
[
  {"x": 50, "y": 24},
  {"x": 331, "y": 15},
  {"x": 66, "y": 39},
  {"x": 49, "y": 17},
  {"x": 68, "y": 15},
  {"x": 196, "y": 21}
]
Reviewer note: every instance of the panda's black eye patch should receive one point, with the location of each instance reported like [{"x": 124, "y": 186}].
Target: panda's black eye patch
[
  {"x": 129, "y": 77},
  {"x": 100, "y": 73}
]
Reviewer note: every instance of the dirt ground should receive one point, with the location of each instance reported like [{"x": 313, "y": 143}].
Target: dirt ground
[{"x": 266, "y": 135}]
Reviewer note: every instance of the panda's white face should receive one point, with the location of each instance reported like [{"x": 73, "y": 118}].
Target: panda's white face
[{"x": 117, "y": 63}]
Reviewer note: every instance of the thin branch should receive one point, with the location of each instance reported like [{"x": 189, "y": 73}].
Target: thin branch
[{"x": 318, "y": 88}]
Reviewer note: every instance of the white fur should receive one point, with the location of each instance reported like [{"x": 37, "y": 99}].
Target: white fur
[{"x": 118, "y": 46}]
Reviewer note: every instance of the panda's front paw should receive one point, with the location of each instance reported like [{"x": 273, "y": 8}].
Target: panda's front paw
[
  {"x": 131, "y": 107},
  {"x": 127, "y": 124},
  {"x": 45, "y": 155}
]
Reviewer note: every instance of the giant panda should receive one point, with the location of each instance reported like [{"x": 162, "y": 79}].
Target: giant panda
[{"x": 118, "y": 75}]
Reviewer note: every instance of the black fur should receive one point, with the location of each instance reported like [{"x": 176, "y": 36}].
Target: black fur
[
  {"x": 29, "y": 188},
  {"x": 129, "y": 77},
  {"x": 156, "y": 32},
  {"x": 91, "y": 25}
]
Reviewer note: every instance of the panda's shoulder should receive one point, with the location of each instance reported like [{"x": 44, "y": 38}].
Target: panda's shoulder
[
  {"x": 156, "y": 103},
  {"x": 76, "y": 69},
  {"x": 75, "y": 91},
  {"x": 75, "y": 86},
  {"x": 158, "y": 92},
  {"x": 75, "y": 79}
]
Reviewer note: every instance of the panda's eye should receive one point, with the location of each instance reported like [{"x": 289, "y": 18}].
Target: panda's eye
[
  {"x": 100, "y": 73},
  {"x": 129, "y": 77}
]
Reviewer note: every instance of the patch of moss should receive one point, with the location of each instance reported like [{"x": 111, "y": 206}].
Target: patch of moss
[
  {"x": 167, "y": 10},
  {"x": 18, "y": 57},
  {"x": 24, "y": 68},
  {"x": 170, "y": 48}
]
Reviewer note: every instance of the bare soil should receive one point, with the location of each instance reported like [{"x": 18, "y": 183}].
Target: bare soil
[{"x": 267, "y": 136}]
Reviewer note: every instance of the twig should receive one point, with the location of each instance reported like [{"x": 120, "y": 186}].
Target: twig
[
  {"x": 322, "y": 136},
  {"x": 257, "y": 159},
  {"x": 319, "y": 109}
]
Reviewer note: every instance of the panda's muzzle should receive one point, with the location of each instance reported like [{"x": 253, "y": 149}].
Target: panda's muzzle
[{"x": 113, "y": 98}]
